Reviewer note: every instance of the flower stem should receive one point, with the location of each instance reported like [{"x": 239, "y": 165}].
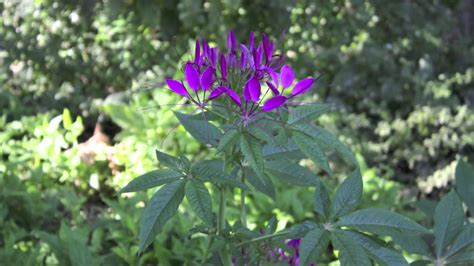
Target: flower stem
[{"x": 221, "y": 225}]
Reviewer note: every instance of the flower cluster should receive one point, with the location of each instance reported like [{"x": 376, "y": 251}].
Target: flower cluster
[{"x": 242, "y": 74}]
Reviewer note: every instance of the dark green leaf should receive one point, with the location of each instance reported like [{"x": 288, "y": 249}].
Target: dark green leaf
[
  {"x": 311, "y": 149},
  {"x": 426, "y": 206},
  {"x": 152, "y": 179},
  {"x": 312, "y": 245},
  {"x": 322, "y": 201},
  {"x": 261, "y": 183},
  {"x": 200, "y": 128},
  {"x": 382, "y": 255},
  {"x": 290, "y": 151},
  {"x": 464, "y": 239},
  {"x": 462, "y": 259},
  {"x": 162, "y": 206},
  {"x": 366, "y": 218},
  {"x": 305, "y": 113},
  {"x": 421, "y": 263},
  {"x": 229, "y": 138},
  {"x": 465, "y": 184},
  {"x": 350, "y": 252},
  {"x": 347, "y": 195},
  {"x": 290, "y": 173},
  {"x": 448, "y": 221},
  {"x": 327, "y": 139},
  {"x": 169, "y": 161},
  {"x": 200, "y": 200},
  {"x": 208, "y": 170},
  {"x": 252, "y": 152}
]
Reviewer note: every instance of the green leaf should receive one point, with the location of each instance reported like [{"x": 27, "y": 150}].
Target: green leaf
[
  {"x": 327, "y": 139},
  {"x": 409, "y": 242},
  {"x": 426, "y": 206},
  {"x": 290, "y": 151},
  {"x": 290, "y": 173},
  {"x": 203, "y": 131},
  {"x": 465, "y": 184},
  {"x": 350, "y": 252},
  {"x": 170, "y": 161},
  {"x": 200, "y": 200},
  {"x": 421, "y": 263},
  {"x": 261, "y": 183},
  {"x": 229, "y": 138},
  {"x": 252, "y": 152},
  {"x": 348, "y": 195},
  {"x": 464, "y": 239},
  {"x": 162, "y": 206},
  {"x": 312, "y": 245},
  {"x": 311, "y": 149},
  {"x": 209, "y": 170},
  {"x": 307, "y": 113},
  {"x": 448, "y": 221},
  {"x": 463, "y": 259},
  {"x": 382, "y": 255},
  {"x": 152, "y": 179},
  {"x": 322, "y": 201},
  {"x": 367, "y": 218}
]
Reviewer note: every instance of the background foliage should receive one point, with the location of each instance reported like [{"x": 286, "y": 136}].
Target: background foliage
[{"x": 400, "y": 72}]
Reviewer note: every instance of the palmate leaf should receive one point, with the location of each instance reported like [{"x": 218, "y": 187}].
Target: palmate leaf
[
  {"x": 322, "y": 202},
  {"x": 410, "y": 242},
  {"x": 170, "y": 161},
  {"x": 203, "y": 131},
  {"x": 448, "y": 221},
  {"x": 261, "y": 183},
  {"x": 382, "y": 255},
  {"x": 350, "y": 252},
  {"x": 289, "y": 151},
  {"x": 290, "y": 173},
  {"x": 328, "y": 140},
  {"x": 162, "y": 206},
  {"x": 152, "y": 179},
  {"x": 312, "y": 245},
  {"x": 305, "y": 113},
  {"x": 200, "y": 200},
  {"x": 252, "y": 152},
  {"x": 348, "y": 195},
  {"x": 367, "y": 218},
  {"x": 464, "y": 239},
  {"x": 462, "y": 259},
  {"x": 229, "y": 138},
  {"x": 213, "y": 170},
  {"x": 465, "y": 184},
  {"x": 312, "y": 149}
]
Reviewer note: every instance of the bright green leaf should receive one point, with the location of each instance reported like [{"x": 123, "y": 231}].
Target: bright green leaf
[
  {"x": 382, "y": 255},
  {"x": 308, "y": 112},
  {"x": 465, "y": 184},
  {"x": 198, "y": 126},
  {"x": 448, "y": 221},
  {"x": 162, "y": 206},
  {"x": 347, "y": 195},
  {"x": 366, "y": 218},
  {"x": 311, "y": 149},
  {"x": 290, "y": 173},
  {"x": 200, "y": 200},
  {"x": 350, "y": 252},
  {"x": 312, "y": 245},
  {"x": 152, "y": 179}
]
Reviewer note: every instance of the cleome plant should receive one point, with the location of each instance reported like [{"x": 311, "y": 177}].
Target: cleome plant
[{"x": 248, "y": 114}]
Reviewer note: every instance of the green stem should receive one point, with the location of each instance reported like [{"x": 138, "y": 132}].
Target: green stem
[
  {"x": 206, "y": 252},
  {"x": 261, "y": 238},
  {"x": 221, "y": 225},
  {"x": 243, "y": 207}
]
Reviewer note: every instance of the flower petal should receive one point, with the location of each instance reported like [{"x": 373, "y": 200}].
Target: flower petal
[
  {"x": 177, "y": 87},
  {"x": 287, "y": 76},
  {"x": 197, "y": 53},
  {"x": 223, "y": 67},
  {"x": 231, "y": 41},
  {"x": 274, "y": 77},
  {"x": 274, "y": 103},
  {"x": 216, "y": 92},
  {"x": 207, "y": 78},
  {"x": 302, "y": 86},
  {"x": 192, "y": 76},
  {"x": 273, "y": 88},
  {"x": 246, "y": 92},
  {"x": 254, "y": 89},
  {"x": 234, "y": 96}
]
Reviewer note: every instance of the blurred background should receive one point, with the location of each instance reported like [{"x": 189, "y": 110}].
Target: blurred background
[{"x": 80, "y": 82}]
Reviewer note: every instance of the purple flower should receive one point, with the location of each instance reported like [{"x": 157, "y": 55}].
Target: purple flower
[{"x": 240, "y": 74}]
